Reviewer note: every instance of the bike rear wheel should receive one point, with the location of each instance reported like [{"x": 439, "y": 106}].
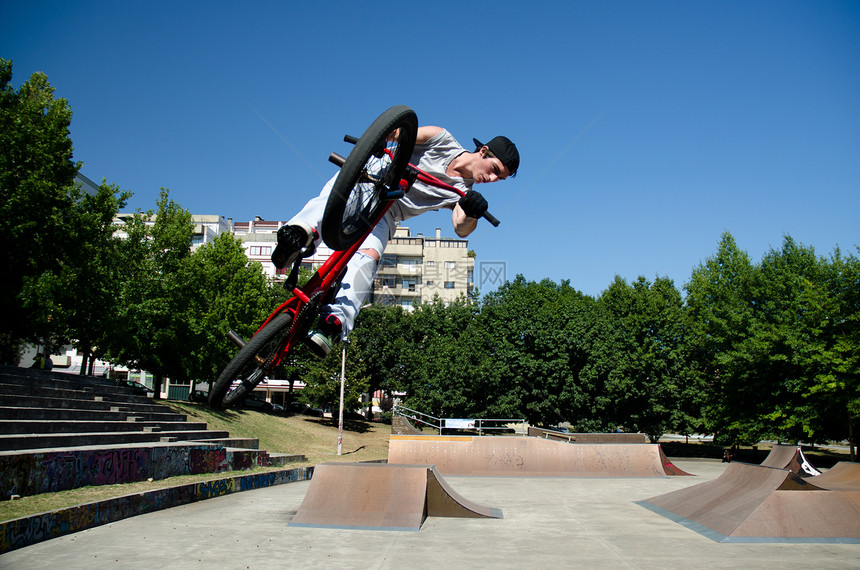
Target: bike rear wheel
[
  {"x": 251, "y": 363},
  {"x": 368, "y": 178}
]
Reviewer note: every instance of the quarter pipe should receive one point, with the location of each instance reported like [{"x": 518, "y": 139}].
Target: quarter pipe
[
  {"x": 492, "y": 456},
  {"x": 790, "y": 457}
]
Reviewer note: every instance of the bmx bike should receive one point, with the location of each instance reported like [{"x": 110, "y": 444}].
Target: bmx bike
[{"x": 375, "y": 174}]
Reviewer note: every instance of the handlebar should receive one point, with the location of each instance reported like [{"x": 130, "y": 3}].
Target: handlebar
[{"x": 491, "y": 218}]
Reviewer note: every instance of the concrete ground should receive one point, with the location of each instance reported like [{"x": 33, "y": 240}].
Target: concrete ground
[{"x": 548, "y": 523}]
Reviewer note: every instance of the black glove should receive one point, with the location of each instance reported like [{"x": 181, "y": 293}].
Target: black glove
[{"x": 473, "y": 204}]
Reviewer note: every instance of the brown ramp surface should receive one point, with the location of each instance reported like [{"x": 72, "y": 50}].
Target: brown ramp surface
[
  {"x": 375, "y": 496},
  {"x": 845, "y": 476},
  {"x": 494, "y": 456},
  {"x": 790, "y": 457},
  {"x": 588, "y": 437},
  {"x": 402, "y": 425},
  {"x": 755, "y": 503}
]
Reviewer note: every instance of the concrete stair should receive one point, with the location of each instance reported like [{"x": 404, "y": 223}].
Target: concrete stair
[{"x": 60, "y": 431}]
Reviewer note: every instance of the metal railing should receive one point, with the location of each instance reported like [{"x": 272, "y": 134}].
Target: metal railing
[{"x": 481, "y": 425}]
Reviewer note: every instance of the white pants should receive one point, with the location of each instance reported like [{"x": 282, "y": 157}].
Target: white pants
[{"x": 358, "y": 281}]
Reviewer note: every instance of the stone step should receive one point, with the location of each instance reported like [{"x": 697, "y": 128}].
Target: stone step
[
  {"x": 60, "y": 431},
  {"x": 131, "y": 423},
  {"x": 44, "y": 378},
  {"x": 95, "y": 403},
  {"x": 52, "y": 414},
  {"x": 72, "y": 393},
  {"x": 240, "y": 459},
  {"x": 41, "y": 441},
  {"x": 281, "y": 459},
  {"x": 239, "y": 442}
]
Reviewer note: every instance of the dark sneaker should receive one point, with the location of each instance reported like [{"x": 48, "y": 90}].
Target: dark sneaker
[
  {"x": 321, "y": 340},
  {"x": 292, "y": 240}
]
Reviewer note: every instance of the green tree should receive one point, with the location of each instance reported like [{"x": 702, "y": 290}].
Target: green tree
[
  {"x": 453, "y": 373},
  {"x": 150, "y": 330},
  {"x": 835, "y": 367},
  {"x": 36, "y": 177},
  {"x": 555, "y": 352},
  {"x": 88, "y": 282},
  {"x": 657, "y": 389},
  {"x": 381, "y": 349},
  {"x": 322, "y": 379},
  {"x": 223, "y": 291},
  {"x": 778, "y": 342},
  {"x": 807, "y": 333},
  {"x": 718, "y": 301}
]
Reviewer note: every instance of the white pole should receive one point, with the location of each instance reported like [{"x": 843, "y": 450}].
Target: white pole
[{"x": 340, "y": 411}]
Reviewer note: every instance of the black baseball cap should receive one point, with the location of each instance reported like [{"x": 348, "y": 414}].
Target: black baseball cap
[{"x": 503, "y": 149}]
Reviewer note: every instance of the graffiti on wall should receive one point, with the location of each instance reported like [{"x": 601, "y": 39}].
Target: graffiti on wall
[
  {"x": 25, "y": 531},
  {"x": 29, "y": 474}
]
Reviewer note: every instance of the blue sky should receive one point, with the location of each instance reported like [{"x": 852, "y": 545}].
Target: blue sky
[{"x": 646, "y": 129}]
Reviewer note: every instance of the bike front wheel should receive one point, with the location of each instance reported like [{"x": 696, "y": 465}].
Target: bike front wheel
[
  {"x": 369, "y": 177},
  {"x": 251, "y": 363}
]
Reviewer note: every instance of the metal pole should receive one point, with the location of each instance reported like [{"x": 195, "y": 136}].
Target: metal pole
[{"x": 340, "y": 411}]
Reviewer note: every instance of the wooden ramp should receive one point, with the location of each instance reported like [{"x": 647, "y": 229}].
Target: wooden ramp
[
  {"x": 402, "y": 425},
  {"x": 493, "y": 456},
  {"x": 790, "y": 457},
  {"x": 755, "y": 503},
  {"x": 378, "y": 496},
  {"x": 587, "y": 437},
  {"x": 845, "y": 476}
]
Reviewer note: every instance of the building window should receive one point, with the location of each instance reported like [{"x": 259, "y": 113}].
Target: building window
[
  {"x": 450, "y": 264},
  {"x": 431, "y": 263},
  {"x": 449, "y": 284},
  {"x": 429, "y": 283},
  {"x": 388, "y": 260},
  {"x": 259, "y": 250}
]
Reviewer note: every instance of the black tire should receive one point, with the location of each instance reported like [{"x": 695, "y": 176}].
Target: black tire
[
  {"x": 251, "y": 363},
  {"x": 359, "y": 193}
]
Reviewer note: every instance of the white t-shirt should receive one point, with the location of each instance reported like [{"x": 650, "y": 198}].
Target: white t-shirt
[{"x": 433, "y": 157}]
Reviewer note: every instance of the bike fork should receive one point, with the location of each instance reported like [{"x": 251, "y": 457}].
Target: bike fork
[{"x": 234, "y": 337}]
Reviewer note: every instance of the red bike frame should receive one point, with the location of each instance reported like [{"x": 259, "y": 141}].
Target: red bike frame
[{"x": 331, "y": 271}]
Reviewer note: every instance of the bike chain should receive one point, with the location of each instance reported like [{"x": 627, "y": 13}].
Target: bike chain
[{"x": 310, "y": 308}]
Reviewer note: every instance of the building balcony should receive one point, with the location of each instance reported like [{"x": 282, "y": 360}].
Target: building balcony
[{"x": 407, "y": 270}]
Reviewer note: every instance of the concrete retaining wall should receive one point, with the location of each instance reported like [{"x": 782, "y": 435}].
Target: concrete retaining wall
[
  {"x": 43, "y": 472},
  {"x": 22, "y": 532}
]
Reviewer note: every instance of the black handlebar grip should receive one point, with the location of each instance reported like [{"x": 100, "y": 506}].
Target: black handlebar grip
[
  {"x": 350, "y": 139},
  {"x": 491, "y": 218},
  {"x": 337, "y": 159}
]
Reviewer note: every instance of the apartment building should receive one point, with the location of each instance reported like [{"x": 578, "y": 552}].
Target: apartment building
[
  {"x": 420, "y": 268},
  {"x": 259, "y": 238},
  {"x": 412, "y": 269}
]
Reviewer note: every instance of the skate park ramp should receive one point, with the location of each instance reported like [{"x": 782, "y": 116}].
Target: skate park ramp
[
  {"x": 493, "y": 456},
  {"x": 587, "y": 437},
  {"x": 377, "y": 496},
  {"x": 401, "y": 425},
  {"x": 845, "y": 476},
  {"x": 790, "y": 457},
  {"x": 756, "y": 503}
]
